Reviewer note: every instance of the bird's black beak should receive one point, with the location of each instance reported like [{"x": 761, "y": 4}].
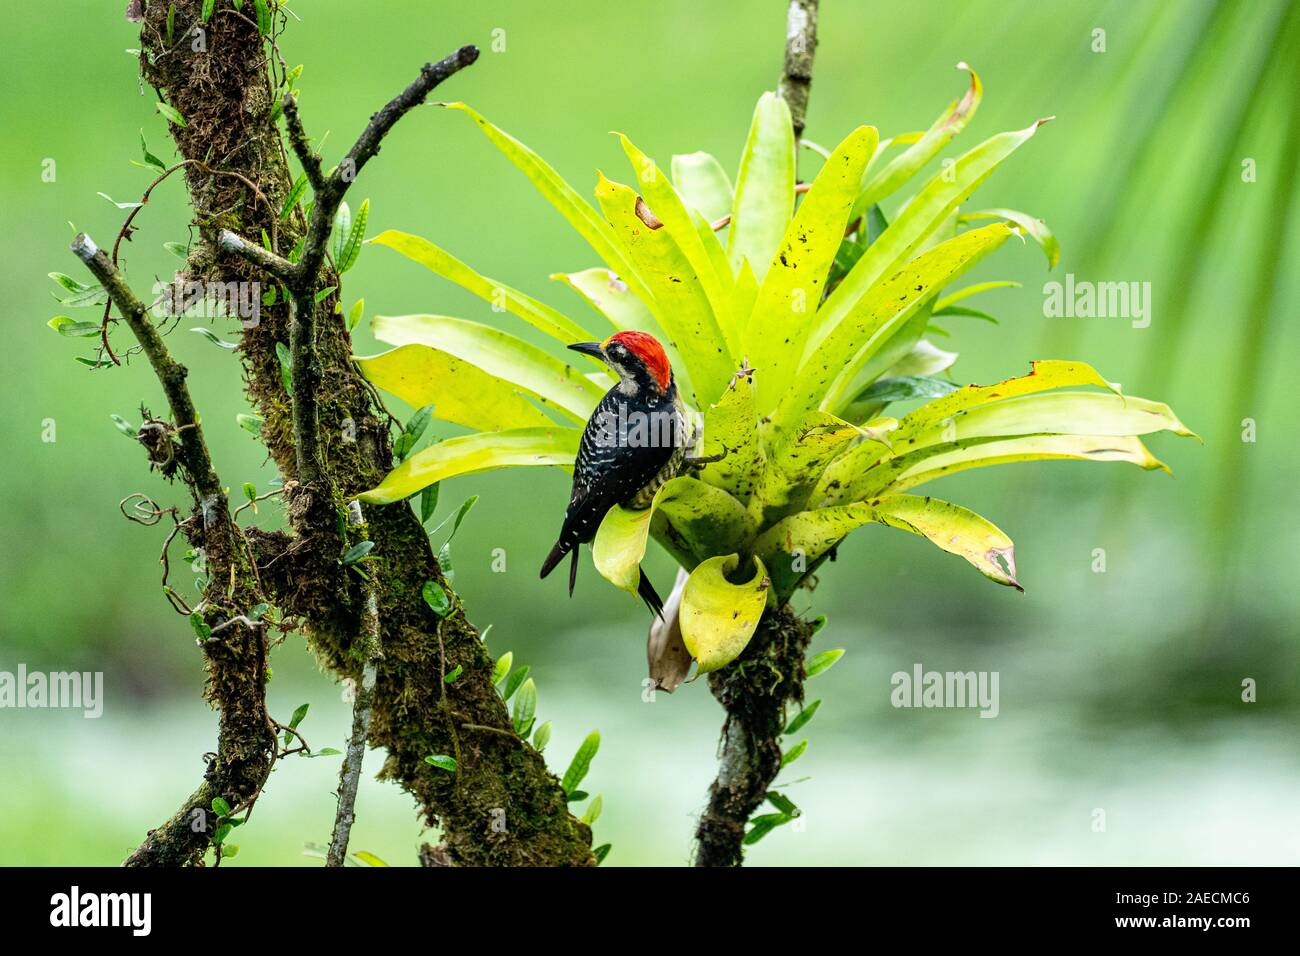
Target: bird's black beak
[{"x": 589, "y": 348}]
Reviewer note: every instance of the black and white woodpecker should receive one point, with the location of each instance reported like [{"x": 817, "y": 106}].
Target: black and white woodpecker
[{"x": 634, "y": 442}]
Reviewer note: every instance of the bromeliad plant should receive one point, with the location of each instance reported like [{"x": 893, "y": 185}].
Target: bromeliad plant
[{"x": 792, "y": 323}]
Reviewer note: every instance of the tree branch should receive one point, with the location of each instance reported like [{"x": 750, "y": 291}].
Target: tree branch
[
  {"x": 755, "y": 690},
  {"x": 301, "y": 146},
  {"x": 259, "y": 256},
  {"x": 800, "y": 48},
  {"x": 333, "y": 189},
  {"x": 171, "y": 374},
  {"x": 303, "y": 277},
  {"x": 350, "y": 774}
]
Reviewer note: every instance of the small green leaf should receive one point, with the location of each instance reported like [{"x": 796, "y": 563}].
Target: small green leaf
[
  {"x": 200, "y": 626},
  {"x": 782, "y": 803},
  {"x": 172, "y": 114},
  {"x": 428, "y": 502},
  {"x": 802, "y": 717},
  {"x": 342, "y": 230},
  {"x": 220, "y": 807},
  {"x": 517, "y": 677},
  {"x": 171, "y": 23},
  {"x": 577, "y": 796},
  {"x": 125, "y": 427},
  {"x": 445, "y": 565},
  {"x": 121, "y": 205},
  {"x": 502, "y": 667},
  {"x": 83, "y": 296},
  {"x": 368, "y": 858},
  {"x": 326, "y": 752},
  {"x": 763, "y": 825},
  {"x": 149, "y": 157},
  {"x": 818, "y": 623},
  {"x": 324, "y": 293},
  {"x": 794, "y": 753},
  {"x": 295, "y": 193},
  {"x": 581, "y": 763},
  {"x": 67, "y": 282},
  {"x": 454, "y": 674},
  {"x": 65, "y": 326},
  {"x": 223, "y": 831},
  {"x": 593, "y": 810},
  {"x": 357, "y": 552},
  {"x": 459, "y": 517},
  {"x": 406, "y": 442},
  {"x": 286, "y": 366},
  {"x": 963, "y": 310},
  {"x": 179, "y": 249},
  {"x": 442, "y": 761},
  {"x": 601, "y": 852},
  {"x": 354, "y": 317},
  {"x": 525, "y": 708},
  {"x": 436, "y": 597},
  {"x": 263, "y": 17},
  {"x": 351, "y": 248},
  {"x": 542, "y": 736},
  {"x": 823, "y": 661},
  {"x": 207, "y": 10},
  {"x": 249, "y": 423},
  {"x": 298, "y": 716},
  {"x": 230, "y": 852},
  {"x": 211, "y": 337},
  {"x": 250, "y": 490}
]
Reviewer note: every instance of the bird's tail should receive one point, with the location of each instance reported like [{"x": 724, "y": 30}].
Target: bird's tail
[
  {"x": 650, "y": 596},
  {"x": 644, "y": 588},
  {"x": 554, "y": 558}
]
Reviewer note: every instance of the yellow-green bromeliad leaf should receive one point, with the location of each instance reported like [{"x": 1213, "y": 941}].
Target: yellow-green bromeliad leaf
[
  {"x": 461, "y": 393},
  {"x": 667, "y": 206},
  {"x": 441, "y": 262},
  {"x": 731, "y": 430},
  {"x": 579, "y": 214},
  {"x": 927, "y": 211},
  {"x": 764, "y": 199},
  {"x": 703, "y": 184},
  {"x": 791, "y": 546},
  {"x": 609, "y": 295},
  {"x": 1036, "y": 228},
  {"x": 796, "y": 460},
  {"x": 704, "y": 521},
  {"x": 686, "y": 314},
  {"x": 947, "y": 458},
  {"x": 827, "y": 375},
  {"x": 553, "y": 382},
  {"x": 717, "y": 617},
  {"x": 882, "y": 182},
  {"x": 791, "y": 291},
  {"x": 1020, "y": 419},
  {"x": 481, "y": 451}
]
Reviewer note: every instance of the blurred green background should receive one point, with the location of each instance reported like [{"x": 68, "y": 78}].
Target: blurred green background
[{"x": 1119, "y": 690}]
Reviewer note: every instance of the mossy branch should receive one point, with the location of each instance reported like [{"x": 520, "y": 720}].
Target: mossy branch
[
  {"x": 236, "y": 660},
  {"x": 171, "y": 374},
  {"x": 302, "y": 278}
]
